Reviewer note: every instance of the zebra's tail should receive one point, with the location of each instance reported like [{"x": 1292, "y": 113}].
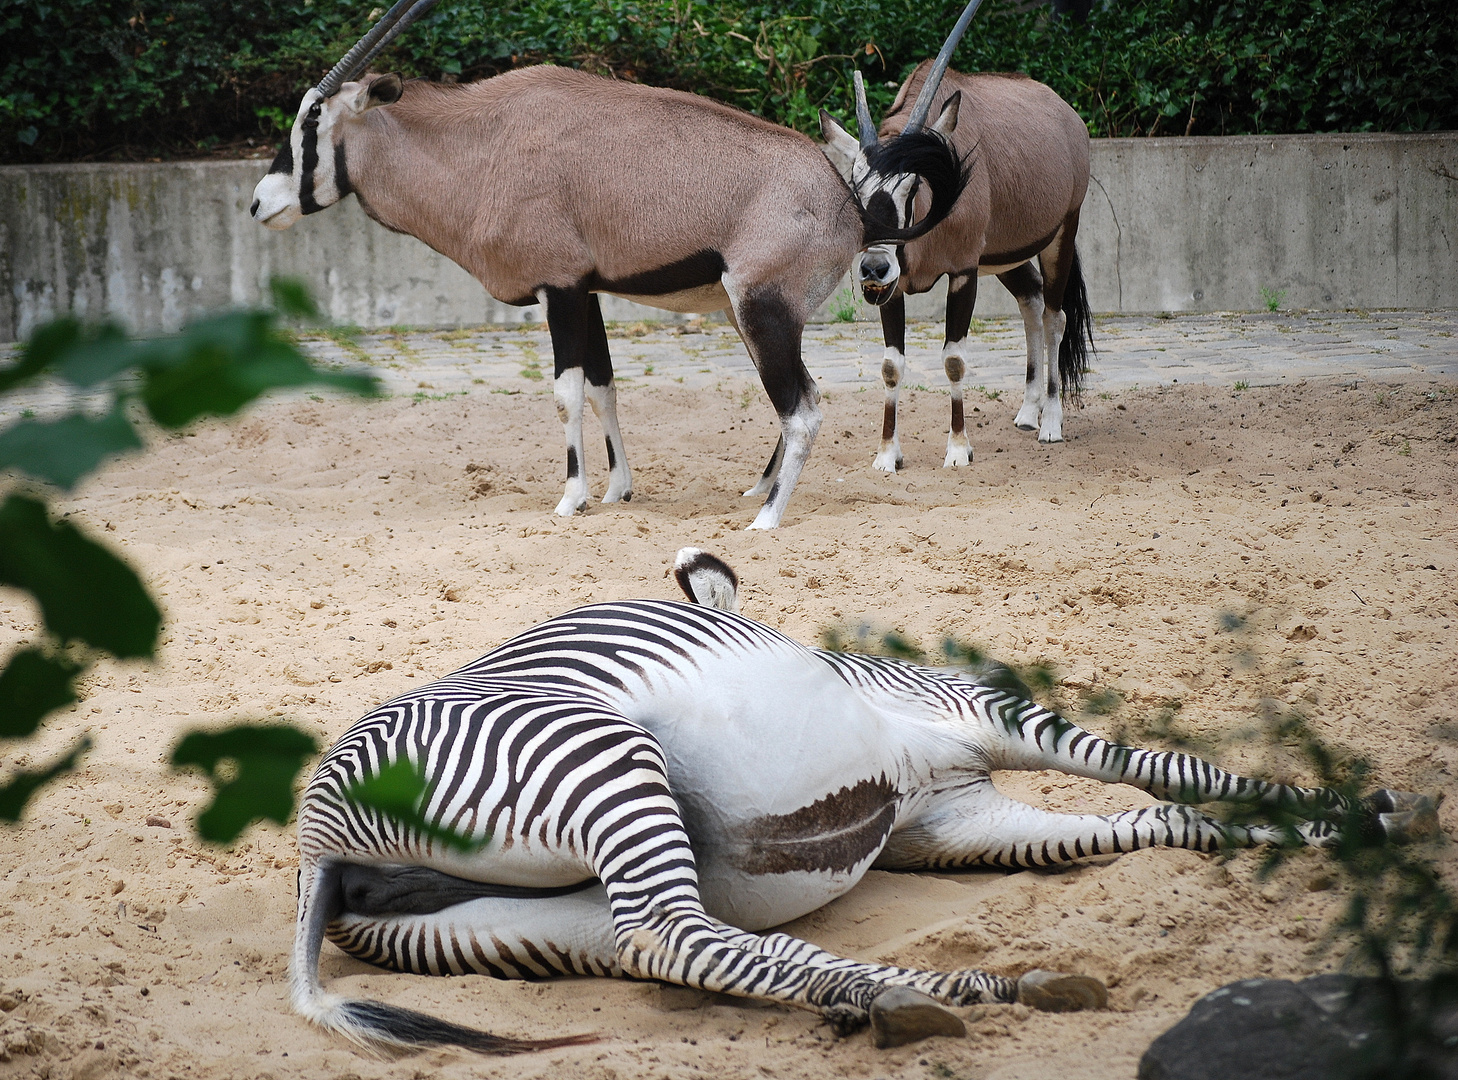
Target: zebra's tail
[
  {"x": 382, "y": 1028},
  {"x": 707, "y": 579},
  {"x": 1077, "y": 344}
]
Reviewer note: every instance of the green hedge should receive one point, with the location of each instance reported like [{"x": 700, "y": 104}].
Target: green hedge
[{"x": 129, "y": 78}]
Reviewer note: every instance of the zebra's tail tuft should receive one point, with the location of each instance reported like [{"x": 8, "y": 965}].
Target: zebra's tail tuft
[
  {"x": 707, "y": 579},
  {"x": 381, "y": 1028}
]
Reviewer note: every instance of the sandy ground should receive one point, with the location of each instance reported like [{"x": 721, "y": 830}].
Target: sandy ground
[{"x": 317, "y": 557}]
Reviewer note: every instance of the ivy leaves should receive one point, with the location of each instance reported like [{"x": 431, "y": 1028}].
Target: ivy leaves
[{"x": 91, "y": 602}]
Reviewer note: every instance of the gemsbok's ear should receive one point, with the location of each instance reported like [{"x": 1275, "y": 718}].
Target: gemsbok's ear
[
  {"x": 947, "y": 118},
  {"x": 359, "y": 97},
  {"x": 840, "y": 146}
]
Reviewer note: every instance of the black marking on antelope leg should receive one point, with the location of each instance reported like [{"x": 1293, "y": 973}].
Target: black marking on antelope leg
[
  {"x": 959, "y": 423},
  {"x": 703, "y": 267},
  {"x": 579, "y": 339},
  {"x": 773, "y": 334},
  {"x": 573, "y": 466},
  {"x": 612, "y": 457},
  {"x": 837, "y": 833},
  {"x": 774, "y": 461},
  {"x": 1024, "y": 282},
  {"x": 961, "y": 299},
  {"x": 418, "y": 890},
  {"x": 888, "y": 422},
  {"x": 893, "y": 323}
]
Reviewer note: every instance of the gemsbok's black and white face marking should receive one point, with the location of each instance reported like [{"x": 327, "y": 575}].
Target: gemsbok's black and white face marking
[
  {"x": 880, "y": 176},
  {"x": 309, "y": 172}
]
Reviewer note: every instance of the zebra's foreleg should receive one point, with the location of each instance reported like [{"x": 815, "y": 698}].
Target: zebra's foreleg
[
  {"x": 1045, "y": 990},
  {"x": 1031, "y": 737},
  {"x": 961, "y": 298},
  {"x": 976, "y": 825},
  {"x": 893, "y": 370}
]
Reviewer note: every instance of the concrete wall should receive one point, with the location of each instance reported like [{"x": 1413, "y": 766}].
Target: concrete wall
[{"x": 1329, "y": 221}]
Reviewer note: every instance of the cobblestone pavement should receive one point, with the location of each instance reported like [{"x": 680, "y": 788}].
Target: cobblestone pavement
[{"x": 1257, "y": 349}]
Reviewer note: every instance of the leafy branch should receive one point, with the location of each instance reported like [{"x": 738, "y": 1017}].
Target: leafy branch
[{"x": 91, "y": 602}]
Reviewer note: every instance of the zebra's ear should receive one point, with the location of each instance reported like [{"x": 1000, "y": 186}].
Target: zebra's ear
[
  {"x": 840, "y": 146},
  {"x": 707, "y": 580}
]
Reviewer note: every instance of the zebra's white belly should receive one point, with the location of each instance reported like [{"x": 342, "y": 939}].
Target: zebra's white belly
[{"x": 787, "y": 780}]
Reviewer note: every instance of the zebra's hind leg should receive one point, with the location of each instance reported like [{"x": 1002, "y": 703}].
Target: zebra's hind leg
[
  {"x": 1031, "y": 737},
  {"x": 501, "y": 936}
]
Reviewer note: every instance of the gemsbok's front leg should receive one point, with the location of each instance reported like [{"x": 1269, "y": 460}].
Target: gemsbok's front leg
[
  {"x": 602, "y": 395},
  {"x": 961, "y": 298},
  {"x": 568, "y": 320},
  {"x": 772, "y": 331},
  {"x": 893, "y": 370}
]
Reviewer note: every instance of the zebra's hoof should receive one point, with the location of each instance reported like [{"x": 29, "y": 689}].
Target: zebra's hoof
[
  {"x": 844, "y": 1020},
  {"x": 900, "y": 1015},
  {"x": 1050, "y": 991},
  {"x": 1405, "y": 817}
]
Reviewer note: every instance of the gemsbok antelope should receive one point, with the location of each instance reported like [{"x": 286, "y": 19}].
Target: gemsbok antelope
[
  {"x": 550, "y": 186},
  {"x": 655, "y": 782},
  {"x": 1029, "y": 151}
]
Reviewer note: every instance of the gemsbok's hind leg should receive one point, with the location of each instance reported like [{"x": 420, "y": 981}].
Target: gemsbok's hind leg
[
  {"x": 1057, "y": 263},
  {"x": 772, "y": 332},
  {"x": 893, "y": 370},
  {"x": 961, "y": 298},
  {"x": 579, "y": 343},
  {"x": 1026, "y": 285}
]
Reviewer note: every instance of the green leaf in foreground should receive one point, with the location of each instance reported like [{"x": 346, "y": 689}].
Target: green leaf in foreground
[
  {"x": 63, "y": 451},
  {"x": 216, "y": 366},
  {"x": 263, "y": 761},
  {"x": 291, "y": 296},
  {"x": 398, "y": 791},
  {"x": 32, "y": 685},
  {"x": 85, "y": 592},
  {"x": 15, "y": 794}
]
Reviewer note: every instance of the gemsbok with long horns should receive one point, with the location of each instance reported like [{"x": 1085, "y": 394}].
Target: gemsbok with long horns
[
  {"x": 653, "y": 784},
  {"x": 550, "y": 186},
  {"x": 1030, "y": 157}
]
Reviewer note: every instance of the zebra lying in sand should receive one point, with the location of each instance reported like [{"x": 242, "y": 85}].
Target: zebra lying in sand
[{"x": 660, "y": 781}]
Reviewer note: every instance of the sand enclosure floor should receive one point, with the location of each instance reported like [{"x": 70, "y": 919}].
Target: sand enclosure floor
[{"x": 316, "y": 557}]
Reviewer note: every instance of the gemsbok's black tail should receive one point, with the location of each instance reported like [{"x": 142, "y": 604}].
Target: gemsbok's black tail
[
  {"x": 1077, "y": 345},
  {"x": 372, "y": 1024}
]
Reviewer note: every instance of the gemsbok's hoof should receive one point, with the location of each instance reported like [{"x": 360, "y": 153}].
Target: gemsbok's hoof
[
  {"x": 901, "y": 1015},
  {"x": 1051, "y": 991},
  {"x": 1404, "y": 816}
]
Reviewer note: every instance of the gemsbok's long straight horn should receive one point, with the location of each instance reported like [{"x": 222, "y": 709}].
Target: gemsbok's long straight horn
[
  {"x": 358, "y": 59},
  {"x": 934, "y": 77}
]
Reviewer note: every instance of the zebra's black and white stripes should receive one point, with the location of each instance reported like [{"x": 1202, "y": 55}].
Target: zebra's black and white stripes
[{"x": 655, "y": 782}]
